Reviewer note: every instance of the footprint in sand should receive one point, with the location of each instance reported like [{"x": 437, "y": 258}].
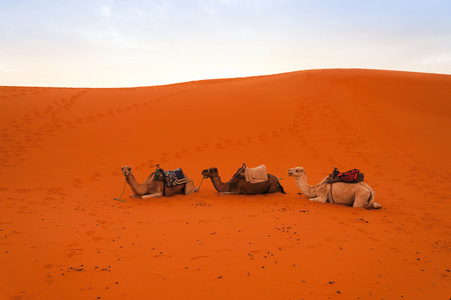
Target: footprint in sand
[
  {"x": 164, "y": 157},
  {"x": 275, "y": 134},
  {"x": 49, "y": 266},
  {"x": 77, "y": 183},
  {"x": 199, "y": 257},
  {"x": 96, "y": 176},
  {"x": 161, "y": 255},
  {"x": 74, "y": 252},
  {"x": 262, "y": 137}
]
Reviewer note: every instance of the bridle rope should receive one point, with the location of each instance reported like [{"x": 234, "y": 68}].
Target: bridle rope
[
  {"x": 123, "y": 190},
  {"x": 203, "y": 177}
]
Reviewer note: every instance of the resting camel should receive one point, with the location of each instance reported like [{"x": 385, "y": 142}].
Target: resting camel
[
  {"x": 354, "y": 194},
  {"x": 238, "y": 184},
  {"x": 155, "y": 187}
]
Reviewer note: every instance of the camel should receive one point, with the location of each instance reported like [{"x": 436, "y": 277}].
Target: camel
[
  {"x": 154, "y": 186},
  {"x": 238, "y": 184},
  {"x": 353, "y": 194}
]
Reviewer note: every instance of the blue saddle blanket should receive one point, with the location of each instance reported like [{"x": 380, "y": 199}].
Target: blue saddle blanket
[{"x": 174, "y": 177}]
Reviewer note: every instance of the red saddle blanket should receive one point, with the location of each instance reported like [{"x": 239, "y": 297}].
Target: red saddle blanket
[
  {"x": 352, "y": 176},
  {"x": 349, "y": 176}
]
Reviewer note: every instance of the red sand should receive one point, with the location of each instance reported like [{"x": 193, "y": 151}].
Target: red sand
[{"x": 63, "y": 236}]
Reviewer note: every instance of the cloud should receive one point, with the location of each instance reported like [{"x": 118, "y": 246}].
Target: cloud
[
  {"x": 438, "y": 60},
  {"x": 150, "y": 42},
  {"x": 105, "y": 11}
]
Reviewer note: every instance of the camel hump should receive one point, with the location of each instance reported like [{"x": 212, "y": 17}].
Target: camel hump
[{"x": 256, "y": 175}]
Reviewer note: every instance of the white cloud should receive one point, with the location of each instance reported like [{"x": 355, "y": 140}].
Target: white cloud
[
  {"x": 438, "y": 60},
  {"x": 105, "y": 11}
]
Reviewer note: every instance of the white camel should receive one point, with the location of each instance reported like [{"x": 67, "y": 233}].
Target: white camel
[{"x": 355, "y": 194}]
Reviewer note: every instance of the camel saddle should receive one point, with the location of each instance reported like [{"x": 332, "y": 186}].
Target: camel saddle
[
  {"x": 174, "y": 177},
  {"x": 351, "y": 176},
  {"x": 256, "y": 175}
]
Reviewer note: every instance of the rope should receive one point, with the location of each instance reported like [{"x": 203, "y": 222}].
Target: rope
[
  {"x": 331, "y": 195},
  {"x": 203, "y": 177},
  {"x": 125, "y": 183}
]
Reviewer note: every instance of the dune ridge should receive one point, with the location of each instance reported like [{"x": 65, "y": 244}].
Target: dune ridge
[{"x": 63, "y": 235}]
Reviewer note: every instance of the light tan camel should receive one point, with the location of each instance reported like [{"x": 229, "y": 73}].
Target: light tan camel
[
  {"x": 355, "y": 194},
  {"x": 155, "y": 187},
  {"x": 238, "y": 184}
]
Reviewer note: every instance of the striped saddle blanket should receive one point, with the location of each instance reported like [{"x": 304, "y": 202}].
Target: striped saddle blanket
[{"x": 174, "y": 177}]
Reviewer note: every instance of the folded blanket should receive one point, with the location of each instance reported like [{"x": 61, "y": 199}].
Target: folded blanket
[
  {"x": 175, "y": 177},
  {"x": 255, "y": 175}
]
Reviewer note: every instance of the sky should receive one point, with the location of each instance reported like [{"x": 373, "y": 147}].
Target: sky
[{"x": 117, "y": 43}]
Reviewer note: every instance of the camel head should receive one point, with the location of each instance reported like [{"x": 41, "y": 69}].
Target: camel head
[
  {"x": 208, "y": 173},
  {"x": 126, "y": 170},
  {"x": 296, "y": 172}
]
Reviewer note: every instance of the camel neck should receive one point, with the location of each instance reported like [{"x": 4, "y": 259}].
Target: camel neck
[
  {"x": 137, "y": 188},
  {"x": 219, "y": 185},
  {"x": 307, "y": 189}
]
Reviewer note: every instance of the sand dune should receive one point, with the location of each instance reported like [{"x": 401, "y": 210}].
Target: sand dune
[{"x": 63, "y": 236}]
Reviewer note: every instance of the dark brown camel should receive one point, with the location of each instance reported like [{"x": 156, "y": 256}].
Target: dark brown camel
[{"x": 238, "y": 184}]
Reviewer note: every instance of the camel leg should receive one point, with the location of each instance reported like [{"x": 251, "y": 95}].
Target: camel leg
[
  {"x": 363, "y": 204},
  {"x": 377, "y": 205},
  {"x": 359, "y": 202},
  {"x": 229, "y": 193},
  {"x": 361, "y": 199},
  {"x": 235, "y": 190},
  {"x": 156, "y": 195},
  {"x": 190, "y": 190},
  {"x": 320, "y": 199},
  {"x": 189, "y": 187}
]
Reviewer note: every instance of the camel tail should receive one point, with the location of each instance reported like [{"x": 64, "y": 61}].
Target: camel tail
[
  {"x": 371, "y": 203},
  {"x": 280, "y": 187}
]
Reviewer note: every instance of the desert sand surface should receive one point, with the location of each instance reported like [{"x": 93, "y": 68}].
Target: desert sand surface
[{"x": 63, "y": 236}]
